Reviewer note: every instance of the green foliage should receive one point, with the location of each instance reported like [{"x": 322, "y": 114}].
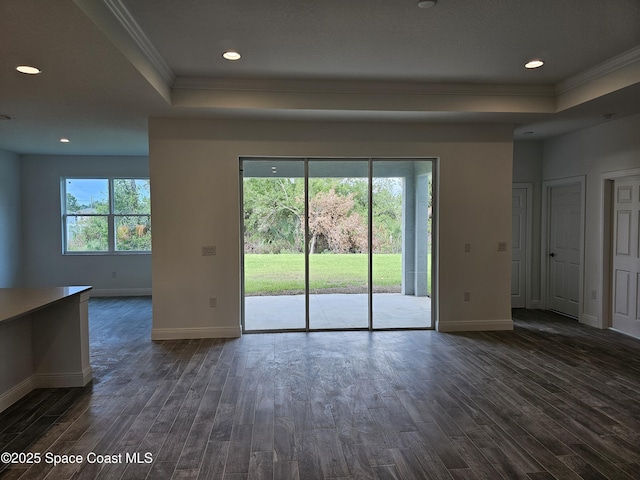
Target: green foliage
[
  {"x": 273, "y": 210},
  {"x": 274, "y": 215},
  {"x": 88, "y": 230},
  {"x": 72, "y": 204},
  {"x": 133, "y": 232},
  {"x": 87, "y": 234}
]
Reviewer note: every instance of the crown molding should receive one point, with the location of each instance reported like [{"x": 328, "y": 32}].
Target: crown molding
[
  {"x": 128, "y": 22},
  {"x": 359, "y": 87},
  {"x": 625, "y": 59}
]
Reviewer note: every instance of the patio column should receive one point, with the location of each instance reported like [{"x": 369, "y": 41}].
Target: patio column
[
  {"x": 421, "y": 240},
  {"x": 415, "y": 243},
  {"x": 408, "y": 235}
]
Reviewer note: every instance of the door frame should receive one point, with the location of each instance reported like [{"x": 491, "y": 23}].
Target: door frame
[
  {"x": 528, "y": 239},
  {"x": 547, "y": 185},
  {"x": 435, "y": 189},
  {"x": 605, "y": 252}
]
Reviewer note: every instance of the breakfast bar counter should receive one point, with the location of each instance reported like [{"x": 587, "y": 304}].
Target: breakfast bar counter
[{"x": 44, "y": 340}]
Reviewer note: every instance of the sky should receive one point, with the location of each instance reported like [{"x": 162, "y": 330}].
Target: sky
[{"x": 87, "y": 189}]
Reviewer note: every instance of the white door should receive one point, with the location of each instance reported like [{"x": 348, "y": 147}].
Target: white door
[
  {"x": 626, "y": 256},
  {"x": 518, "y": 248},
  {"x": 564, "y": 249}
]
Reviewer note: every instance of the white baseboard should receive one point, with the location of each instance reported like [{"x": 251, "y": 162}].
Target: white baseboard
[
  {"x": 62, "y": 380},
  {"x": 534, "y": 305},
  {"x": 11, "y": 396},
  {"x": 590, "y": 320},
  {"x": 474, "y": 325},
  {"x": 121, "y": 292},
  {"x": 623, "y": 333},
  {"x": 189, "y": 333}
]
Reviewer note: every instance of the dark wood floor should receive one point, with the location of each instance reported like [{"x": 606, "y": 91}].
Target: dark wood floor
[{"x": 552, "y": 399}]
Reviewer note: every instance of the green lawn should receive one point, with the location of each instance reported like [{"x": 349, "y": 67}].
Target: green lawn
[{"x": 268, "y": 274}]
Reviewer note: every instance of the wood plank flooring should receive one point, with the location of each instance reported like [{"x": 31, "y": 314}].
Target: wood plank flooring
[{"x": 552, "y": 399}]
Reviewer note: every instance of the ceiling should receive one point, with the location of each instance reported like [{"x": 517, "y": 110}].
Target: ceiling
[{"x": 109, "y": 65}]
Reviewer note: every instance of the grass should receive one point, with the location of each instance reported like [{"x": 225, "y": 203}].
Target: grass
[{"x": 269, "y": 274}]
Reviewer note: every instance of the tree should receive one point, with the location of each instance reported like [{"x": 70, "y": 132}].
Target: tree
[
  {"x": 274, "y": 214},
  {"x": 72, "y": 204},
  {"x": 273, "y": 208},
  {"x": 331, "y": 219},
  {"x": 88, "y": 224},
  {"x": 132, "y": 205}
]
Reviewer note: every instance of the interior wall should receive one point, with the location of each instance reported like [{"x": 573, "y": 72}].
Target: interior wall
[
  {"x": 44, "y": 263},
  {"x": 10, "y": 221},
  {"x": 195, "y": 203},
  {"x": 527, "y": 168},
  {"x": 609, "y": 147}
]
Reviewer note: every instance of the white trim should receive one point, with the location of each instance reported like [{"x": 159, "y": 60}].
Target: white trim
[
  {"x": 14, "y": 394},
  {"x": 603, "y": 69},
  {"x": 622, "y": 333},
  {"x": 191, "y": 333},
  {"x": 590, "y": 320},
  {"x": 604, "y": 257},
  {"x": 475, "y": 325},
  {"x": 57, "y": 380},
  {"x": 63, "y": 380},
  {"x": 361, "y": 87},
  {"x": 121, "y": 292},
  {"x": 133, "y": 29},
  {"x": 544, "y": 255},
  {"x": 528, "y": 186}
]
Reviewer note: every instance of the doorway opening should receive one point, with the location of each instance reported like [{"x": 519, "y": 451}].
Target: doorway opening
[{"x": 337, "y": 244}]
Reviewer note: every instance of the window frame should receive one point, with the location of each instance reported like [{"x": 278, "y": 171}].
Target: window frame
[{"x": 111, "y": 217}]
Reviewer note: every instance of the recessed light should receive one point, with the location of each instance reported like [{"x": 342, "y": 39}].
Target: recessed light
[
  {"x": 28, "y": 70},
  {"x": 231, "y": 55},
  {"x": 534, "y": 64},
  {"x": 65, "y": 140},
  {"x": 427, "y": 3}
]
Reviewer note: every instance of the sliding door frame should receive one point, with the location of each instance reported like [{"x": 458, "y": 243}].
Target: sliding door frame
[{"x": 370, "y": 161}]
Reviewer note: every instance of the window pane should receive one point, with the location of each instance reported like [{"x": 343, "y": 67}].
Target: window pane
[
  {"x": 131, "y": 196},
  {"x": 87, "y": 234},
  {"x": 87, "y": 196},
  {"x": 133, "y": 233}
]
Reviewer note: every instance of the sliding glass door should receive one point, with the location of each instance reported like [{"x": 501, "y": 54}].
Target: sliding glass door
[
  {"x": 332, "y": 244},
  {"x": 401, "y": 231},
  {"x": 338, "y": 244},
  {"x": 273, "y": 244}
]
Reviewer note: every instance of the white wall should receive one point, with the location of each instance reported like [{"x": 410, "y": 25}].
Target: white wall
[
  {"x": 613, "y": 146},
  {"x": 10, "y": 224},
  {"x": 527, "y": 168},
  {"x": 195, "y": 202},
  {"x": 44, "y": 263}
]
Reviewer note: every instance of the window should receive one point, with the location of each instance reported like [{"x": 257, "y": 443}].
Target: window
[{"x": 106, "y": 215}]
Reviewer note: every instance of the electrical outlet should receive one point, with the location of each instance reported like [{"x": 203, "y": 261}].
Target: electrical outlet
[
  {"x": 594, "y": 295},
  {"x": 114, "y": 274},
  {"x": 502, "y": 246},
  {"x": 467, "y": 247},
  {"x": 467, "y": 296},
  {"x": 213, "y": 302},
  {"x": 208, "y": 250}
]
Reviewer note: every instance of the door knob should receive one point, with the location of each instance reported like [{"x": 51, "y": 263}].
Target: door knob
[{"x": 552, "y": 254}]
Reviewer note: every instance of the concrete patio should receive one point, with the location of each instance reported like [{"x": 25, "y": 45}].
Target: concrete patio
[{"x": 337, "y": 311}]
